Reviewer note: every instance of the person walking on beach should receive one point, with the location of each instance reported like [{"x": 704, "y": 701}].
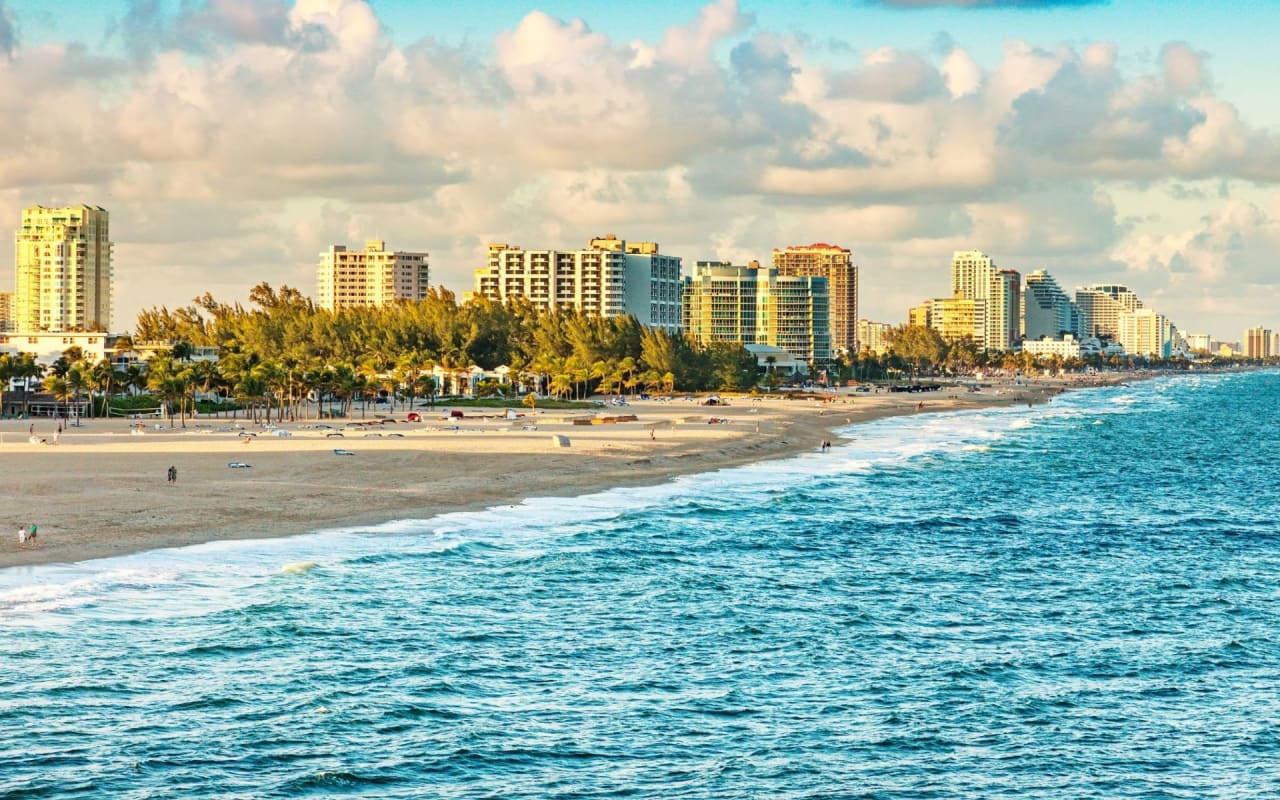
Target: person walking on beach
[{"x": 173, "y": 474}]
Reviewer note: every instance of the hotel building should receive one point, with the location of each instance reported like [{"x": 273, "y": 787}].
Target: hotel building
[
  {"x": 62, "y": 270},
  {"x": 836, "y": 265},
  {"x": 611, "y": 278},
  {"x": 374, "y": 276},
  {"x": 6, "y": 311},
  {"x": 1257, "y": 343},
  {"x": 753, "y": 305}
]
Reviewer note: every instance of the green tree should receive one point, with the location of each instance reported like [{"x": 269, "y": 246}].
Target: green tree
[{"x": 921, "y": 348}]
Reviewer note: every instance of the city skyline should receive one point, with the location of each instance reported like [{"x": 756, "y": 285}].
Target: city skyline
[{"x": 1101, "y": 142}]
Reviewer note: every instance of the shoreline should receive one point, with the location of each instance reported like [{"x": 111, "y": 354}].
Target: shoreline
[{"x": 102, "y": 491}]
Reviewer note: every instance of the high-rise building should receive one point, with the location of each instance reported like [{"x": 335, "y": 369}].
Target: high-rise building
[
  {"x": 1257, "y": 343},
  {"x": 1048, "y": 310},
  {"x": 920, "y": 315},
  {"x": 874, "y": 336},
  {"x": 836, "y": 265},
  {"x": 63, "y": 270},
  {"x": 1199, "y": 342},
  {"x": 1275, "y": 344},
  {"x": 959, "y": 318},
  {"x": 6, "y": 312},
  {"x": 1143, "y": 332},
  {"x": 1100, "y": 307},
  {"x": 971, "y": 274},
  {"x": 373, "y": 276},
  {"x": 754, "y": 305},
  {"x": 974, "y": 276},
  {"x": 611, "y": 278},
  {"x": 1003, "y": 314}
]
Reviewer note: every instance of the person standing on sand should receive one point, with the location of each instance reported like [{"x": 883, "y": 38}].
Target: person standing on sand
[{"x": 173, "y": 474}]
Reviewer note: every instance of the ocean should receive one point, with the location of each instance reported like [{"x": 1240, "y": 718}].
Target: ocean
[{"x": 1078, "y": 600}]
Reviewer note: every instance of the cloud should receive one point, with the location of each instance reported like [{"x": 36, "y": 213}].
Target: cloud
[
  {"x": 985, "y": 4},
  {"x": 8, "y": 30},
  {"x": 1232, "y": 246}
]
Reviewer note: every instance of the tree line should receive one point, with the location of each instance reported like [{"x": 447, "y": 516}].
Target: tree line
[{"x": 281, "y": 349}]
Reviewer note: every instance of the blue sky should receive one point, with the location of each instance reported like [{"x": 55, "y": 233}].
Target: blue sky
[{"x": 235, "y": 139}]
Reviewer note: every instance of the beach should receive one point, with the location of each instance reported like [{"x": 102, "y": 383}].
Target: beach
[{"x": 103, "y": 490}]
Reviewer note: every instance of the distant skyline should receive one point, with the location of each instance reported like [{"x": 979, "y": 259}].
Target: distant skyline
[{"x": 235, "y": 140}]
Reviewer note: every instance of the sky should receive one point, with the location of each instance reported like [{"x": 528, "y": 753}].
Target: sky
[{"x": 233, "y": 141}]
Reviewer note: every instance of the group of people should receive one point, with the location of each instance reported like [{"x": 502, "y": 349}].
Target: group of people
[
  {"x": 27, "y": 534},
  {"x": 826, "y": 445}
]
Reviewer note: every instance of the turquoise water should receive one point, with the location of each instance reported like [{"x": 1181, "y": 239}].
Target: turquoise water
[{"x": 1072, "y": 601}]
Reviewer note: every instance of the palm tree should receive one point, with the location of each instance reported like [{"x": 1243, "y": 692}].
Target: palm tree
[
  {"x": 8, "y": 366},
  {"x": 251, "y": 390},
  {"x": 59, "y": 388},
  {"x": 162, "y": 379},
  {"x": 27, "y": 368},
  {"x": 561, "y": 384},
  {"x": 101, "y": 379},
  {"x": 78, "y": 380}
]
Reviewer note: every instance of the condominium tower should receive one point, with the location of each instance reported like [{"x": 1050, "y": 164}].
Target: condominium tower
[
  {"x": 974, "y": 276},
  {"x": 610, "y": 277},
  {"x": 6, "y": 312},
  {"x": 836, "y": 265},
  {"x": 1100, "y": 307},
  {"x": 1047, "y": 311},
  {"x": 374, "y": 276},
  {"x": 959, "y": 318},
  {"x": 63, "y": 270},
  {"x": 1257, "y": 343},
  {"x": 1143, "y": 332},
  {"x": 754, "y": 305}
]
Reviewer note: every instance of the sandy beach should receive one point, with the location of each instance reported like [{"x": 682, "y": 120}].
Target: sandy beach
[{"x": 102, "y": 489}]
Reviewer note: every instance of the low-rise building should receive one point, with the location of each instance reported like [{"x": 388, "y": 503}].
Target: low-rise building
[
  {"x": 48, "y": 347},
  {"x": 1067, "y": 346}
]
